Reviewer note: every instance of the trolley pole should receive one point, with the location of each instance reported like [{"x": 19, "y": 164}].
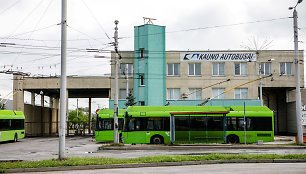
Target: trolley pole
[
  {"x": 116, "y": 134},
  {"x": 63, "y": 86},
  {"x": 297, "y": 79}
]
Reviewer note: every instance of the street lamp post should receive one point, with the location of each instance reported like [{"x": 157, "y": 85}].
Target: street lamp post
[{"x": 298, "y": 107}]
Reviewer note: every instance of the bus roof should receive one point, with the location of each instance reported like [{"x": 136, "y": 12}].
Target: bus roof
[
  {"x": 248, "y": 108},
  {"x": 175, "y": 108},
  {"x": 109, "y": 113},
  {"x": 251, "y": 111},
  {"x": 8, "y": 114},
  {"x": 164, "y": 111}
]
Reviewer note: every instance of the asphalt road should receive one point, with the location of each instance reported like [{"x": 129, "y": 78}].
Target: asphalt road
[{"x": 241, "y": 168}]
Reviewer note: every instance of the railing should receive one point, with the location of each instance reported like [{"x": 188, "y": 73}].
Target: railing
[{"x": 33, "y": 129}]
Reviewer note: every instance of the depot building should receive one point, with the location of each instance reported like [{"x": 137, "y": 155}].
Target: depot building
[{"x": 156, "y": 77}]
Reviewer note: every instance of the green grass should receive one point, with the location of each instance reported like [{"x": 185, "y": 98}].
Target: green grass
[{"x": 82, "y": 161}]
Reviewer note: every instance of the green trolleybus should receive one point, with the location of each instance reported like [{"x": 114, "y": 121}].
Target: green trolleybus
[
  {"x": 11, "y": 125},
  {"x": 105, "y": 124},
  {"x": 197, "y": 124}
]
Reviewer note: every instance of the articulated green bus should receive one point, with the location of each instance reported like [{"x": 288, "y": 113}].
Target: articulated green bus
[
  {"x": 197, "y": 124},
  {"x": 11, "y": 125},
  {"x": 105, "y": 124}
]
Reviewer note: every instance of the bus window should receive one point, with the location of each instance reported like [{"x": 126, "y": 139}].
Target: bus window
[
  {"x": 157, "y": 125},
  {"x": 5, "y": 124},
  {"x": 120, "y": 122},
  {"x": 131, "y": 125},
  {"x": 150, "y": 125},
  {"x": 166, "y": 124},
  {"x": 259, "y": 124},
  {"x": 240, "y": 123},
  {"x": 17, "y": 124},
  {"x": 235, "y": 124},
  {"x": 107, "y": 124},
  {"x": 137, "y": 125},
  {"x": 231, "y": 124}
]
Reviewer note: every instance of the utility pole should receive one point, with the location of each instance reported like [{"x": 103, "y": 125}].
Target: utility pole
[
  {"x": 127, "y": 82},
  {"x": 116, "y": 133},
  {"x": 63, "y": 87},
  {"x": 298, "y": 107},
  {"x": 78, "y": 111},
  {"x": 260, "y": 85}
]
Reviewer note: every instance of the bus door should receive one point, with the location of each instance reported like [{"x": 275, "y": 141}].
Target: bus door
[{"x": 137, "y": 132}]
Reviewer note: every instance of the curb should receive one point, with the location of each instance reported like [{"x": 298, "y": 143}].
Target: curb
[
  {"x": 160, "y": 164},
  {"x": 183, "y": 147}
]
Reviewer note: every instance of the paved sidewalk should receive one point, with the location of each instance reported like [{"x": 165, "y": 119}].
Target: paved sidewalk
[{"x": 31, "y": 149}]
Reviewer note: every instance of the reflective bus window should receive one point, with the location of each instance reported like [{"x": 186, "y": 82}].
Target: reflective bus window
[
  {"x": 5, "y": 124},
  {"x": 252, "y": 124}
]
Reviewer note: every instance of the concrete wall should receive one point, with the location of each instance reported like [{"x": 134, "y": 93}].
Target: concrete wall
[
  {"x": 292, "y": 119},
  {"x": 40, "y": 121},
  {"x": 281, "y": 56},
  {"x": 72, "y": 82}
]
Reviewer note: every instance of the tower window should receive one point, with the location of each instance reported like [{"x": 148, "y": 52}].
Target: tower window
[
  {"x": 142, "y": 80},
  {"x": 142, "y": 52}
]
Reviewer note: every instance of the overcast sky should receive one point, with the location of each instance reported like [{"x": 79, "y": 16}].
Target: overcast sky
[{"x": 30, "y": 29}]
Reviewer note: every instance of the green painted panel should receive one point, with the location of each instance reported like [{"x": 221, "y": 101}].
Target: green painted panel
[
  {"x": 144, "y": 137},
  {"x": 105, "y": 135}
]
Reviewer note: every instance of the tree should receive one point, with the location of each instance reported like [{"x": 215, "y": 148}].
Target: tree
[
  {"x": 130, "y": 100},
  {"x": 2, "y": 106},
  {"x": 255, "y": 43},
  {"x": 77, "y": 120}
]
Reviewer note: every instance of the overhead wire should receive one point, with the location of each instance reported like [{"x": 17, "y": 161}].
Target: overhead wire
[
  {"x": 176, "y": 31},
  {"x": 90, "y": 11},
  {"x": 11, "y": 6},
  {"x": 210, "y": 27},
  {"x": 26, "y": 17},
  {"x": 85, "y": 34},
  {"x": 41, "y": 17}
]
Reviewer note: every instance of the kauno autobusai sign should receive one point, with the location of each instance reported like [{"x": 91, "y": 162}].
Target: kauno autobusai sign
[{"x": 219, "y": 56}]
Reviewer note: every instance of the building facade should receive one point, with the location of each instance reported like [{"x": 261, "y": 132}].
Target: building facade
[{"x": 157, "y": 77}]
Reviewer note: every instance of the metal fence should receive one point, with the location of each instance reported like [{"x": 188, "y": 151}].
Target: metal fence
[{"x": 33, "y": 129}]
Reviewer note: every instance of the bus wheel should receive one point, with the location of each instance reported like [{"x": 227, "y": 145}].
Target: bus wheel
[
  {"x": 15, "y": 138},
  {"x": 233, "y": 139},
  {"x": 157, "y": 140}
]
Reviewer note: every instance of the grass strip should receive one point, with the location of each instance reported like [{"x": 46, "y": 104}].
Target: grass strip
[{"x": 82, "y": 161}]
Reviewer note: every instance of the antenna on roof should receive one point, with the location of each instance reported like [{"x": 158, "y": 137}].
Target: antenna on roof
[{"x": 147, "y": 20}]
